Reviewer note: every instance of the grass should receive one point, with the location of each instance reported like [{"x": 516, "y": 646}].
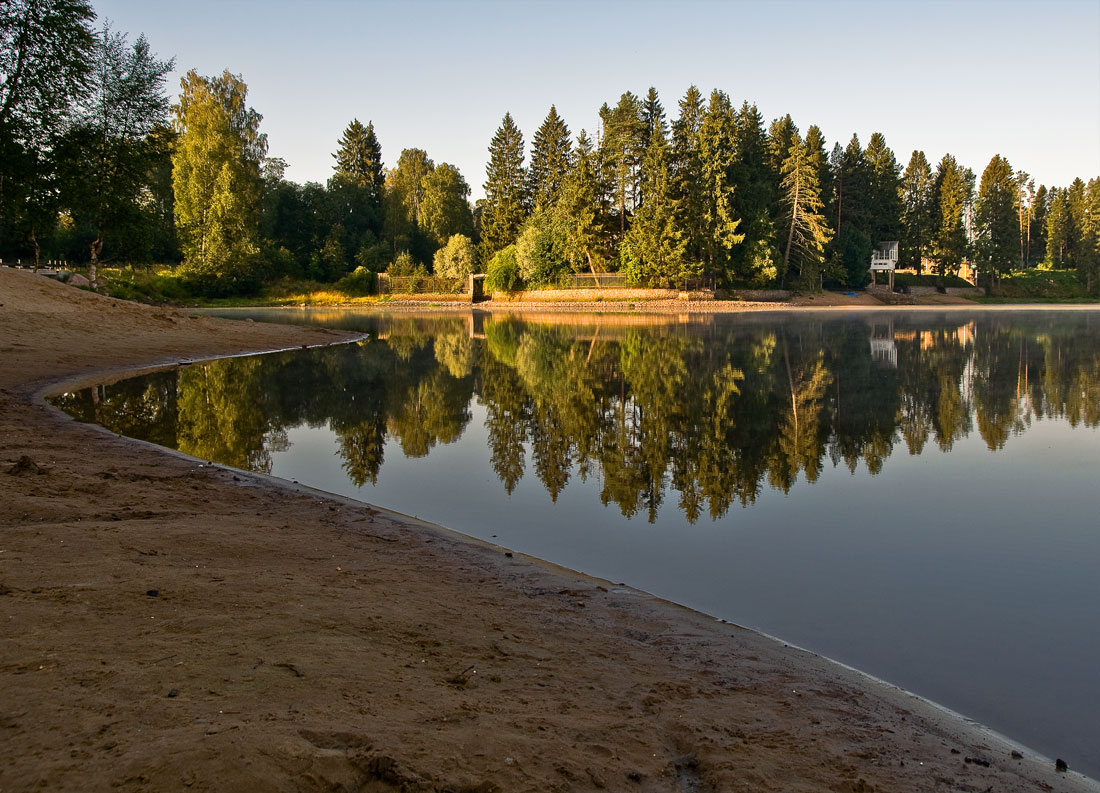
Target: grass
[{"x": 1041, "y": 286}]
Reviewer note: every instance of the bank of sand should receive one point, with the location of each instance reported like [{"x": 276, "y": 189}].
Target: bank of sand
[{"x": 170, "y": 625}]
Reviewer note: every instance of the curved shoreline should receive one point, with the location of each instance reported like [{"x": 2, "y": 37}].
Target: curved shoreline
[{"x": 321, "y": 681}]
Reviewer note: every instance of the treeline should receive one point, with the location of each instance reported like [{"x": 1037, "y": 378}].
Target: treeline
[
  {"x": 97, "y": 164},
  {"x": 560, "y": 402}
]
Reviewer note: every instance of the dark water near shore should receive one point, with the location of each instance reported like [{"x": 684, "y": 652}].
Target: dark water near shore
[{"x": 916, "y": 495}]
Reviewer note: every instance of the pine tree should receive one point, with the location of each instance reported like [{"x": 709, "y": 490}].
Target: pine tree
[
  {"x": 1059, "y": 228},
  {"x": 803, "y": 222},
  {"x": 916, "y": 194},
  {"x": 951, "y": 195},
  {"x": 686, "y": 173},
  {"x": 506, "y": 199},
  {"x": 578, "y": 210},
  {"x": 359, "y": 159},
  {"x": 551, "y": 153},
  {"x": 884, "y": 191},
  {"x": 997, "y": 224},
  {"x": 716, "y": 154},
  {"x": 621, "y": 149},
  {"x": 754, "y": 260},
  {"x": 1037, "y": 233},
  {"x": 653, "y": 250}
]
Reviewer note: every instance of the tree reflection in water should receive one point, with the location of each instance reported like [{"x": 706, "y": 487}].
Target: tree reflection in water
[{"x": 709, "y": 410}]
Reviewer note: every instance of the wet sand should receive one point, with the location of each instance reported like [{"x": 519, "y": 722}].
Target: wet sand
[{"x": 175, "y": 625}]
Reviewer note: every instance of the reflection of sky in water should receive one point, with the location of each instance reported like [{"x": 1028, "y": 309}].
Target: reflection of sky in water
[{"x": 967, "y": 576}]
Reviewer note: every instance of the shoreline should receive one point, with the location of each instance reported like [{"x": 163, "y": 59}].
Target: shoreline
[{"x": 367, "y": 681}]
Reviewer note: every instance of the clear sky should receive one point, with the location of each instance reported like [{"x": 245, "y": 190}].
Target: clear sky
[{"x": 972, "y": 78}]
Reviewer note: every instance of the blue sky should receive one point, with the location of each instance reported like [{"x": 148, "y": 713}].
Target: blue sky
[{"x": 970, "y": 78}]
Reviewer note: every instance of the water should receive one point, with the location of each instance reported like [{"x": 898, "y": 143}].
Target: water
[{"x": 911, "y": 494}]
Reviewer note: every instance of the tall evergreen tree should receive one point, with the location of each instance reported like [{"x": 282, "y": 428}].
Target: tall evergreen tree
[
  {"x": 756, "y": 193},
  {"x": 551, "y": 153},
  {"x": 1037, "y": 233},
  {"x": 359, "y": 159},
  {"x": 803, "y": 222},
  {"x": 653, "y": 250},
  {"x": 997, "y": 225},
  {"x": 916, "y": 196},
  {"x": 1059, "y": 228},
  {"x": 622, "y": 147},
  {"x": 506, "y": 200},
  {"x": 578, "y": 210},
  {"x": 716, "y": 155},
  {"x": 686, "y": 173},
  {"x": 884, "y": 191},
  {"x": 951, "y": 195}
]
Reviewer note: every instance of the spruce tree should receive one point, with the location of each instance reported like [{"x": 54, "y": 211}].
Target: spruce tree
[
  {"x": 506, "y": 199},
  {"x": 756, "y": 258},
  {"x": 578, "y": 210},
  {"x": 916, "y": 197},
  {"x": 884, "y": 191},
  {"x": 653, "y": 250},
  {"x": 803, "y": 222},
  {"x": 1059, "y": 228},
  {"x": 997, "y": 224},
  {"x": 951, "y": 196},
  {"x": 551, "y": 152},
  {"x": 686, "y": 173},
  {"x": 716, "y": 154},
  {"x": 359, "y": 159},
  {"x": 621, "y": 149}
]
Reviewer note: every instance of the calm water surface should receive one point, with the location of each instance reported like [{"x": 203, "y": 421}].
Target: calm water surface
[{"x": 915, "y": 495}]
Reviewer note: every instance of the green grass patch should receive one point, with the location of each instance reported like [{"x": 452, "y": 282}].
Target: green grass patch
[{"x": 1041, "y": 286}]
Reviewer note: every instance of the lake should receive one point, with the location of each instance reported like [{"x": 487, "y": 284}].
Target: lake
[{"x": 913, "y": 494}]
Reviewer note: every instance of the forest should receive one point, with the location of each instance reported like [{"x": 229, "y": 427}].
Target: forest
[
  {"x": 100, "y": 165},
  {"x": 712, "y": 416}
]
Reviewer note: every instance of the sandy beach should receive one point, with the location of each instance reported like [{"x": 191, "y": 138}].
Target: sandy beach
[{"x": 170, "y": 624}]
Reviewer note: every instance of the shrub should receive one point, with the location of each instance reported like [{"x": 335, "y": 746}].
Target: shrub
[
  {"x": 359, "y": 282},
  {"x": 503, "y": 272},
  {"x": 456, "y": 259}
]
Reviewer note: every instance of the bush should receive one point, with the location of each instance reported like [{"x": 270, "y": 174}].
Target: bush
[
  {"x": 456, "y": 259},
  {"x": 404, "y": 267},
  {"x": 503, "y": 272},
  {"x": 359, "y": 282},
  {"x": 539, "y": 253}
]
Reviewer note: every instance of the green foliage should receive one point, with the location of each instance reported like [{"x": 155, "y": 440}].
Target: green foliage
[
  {"x": 803, "y": 223},
  {"x": 997, "y": 245},
  {"x": 917, "y": 212},
  {"x": 502, "y": 274},
  {"x": 216, "y": 180},
  {"x": 404, "y": 266},
  {"x": 359, "y": 159},
  {"x": 445, "y": 210},
  {"x": 540, "y": 254},
  {"x": 578, "y": 210},
  {"x": 360, "y": 281},
  {"x": 551, "y": 158},
  {"x": 951, "y": 195},
  {"x": 506, "y": 198},
  {"x": 457, "y": 259}
]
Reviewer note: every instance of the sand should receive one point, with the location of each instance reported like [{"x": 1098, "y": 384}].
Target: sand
[{"x": 174, "y": 625}]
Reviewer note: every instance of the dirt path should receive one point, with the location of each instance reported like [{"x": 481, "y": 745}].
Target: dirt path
[{"x": 172, "y": 625}]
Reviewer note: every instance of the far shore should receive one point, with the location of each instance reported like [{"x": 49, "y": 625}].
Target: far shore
[{"x": 173, "y": 624}]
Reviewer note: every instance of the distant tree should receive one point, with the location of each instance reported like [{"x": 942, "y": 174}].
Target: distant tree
[
  {"x": 1037, "y": 231},
  {"x": 216, "y": 180},
  {"x": 1088, "y": 267},
  {"x": 551, "y": 152},
  {"x": 716, "y": 155},
  {"x": 951, "y": 195},
  {"x": 505, "y": 206},
  {"x": 1025, "y": 201},
  {"x": 359, "y": 159},
  {"x": 756, "y": 259},
  {"x": 46, "y": 54},
  {"x": 110, "y": 151},
  {"x": 1059, "y": 228},
  {"x": 653, "y": 249},
  {"x": 884, "y": 191},
  {"x": 916, "y": 197},
  {"x": 404, "y": 202},
  {"x": 578, "y": 210},
  {"x": 803, "y": 221},
  {"x": 445, "y": 208},
  {"x": 686, "y": 173},
  {"x": 456, "y": 259},
  {"x": 622, "y": 147},
  {"x": 997, "y": 225}
]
